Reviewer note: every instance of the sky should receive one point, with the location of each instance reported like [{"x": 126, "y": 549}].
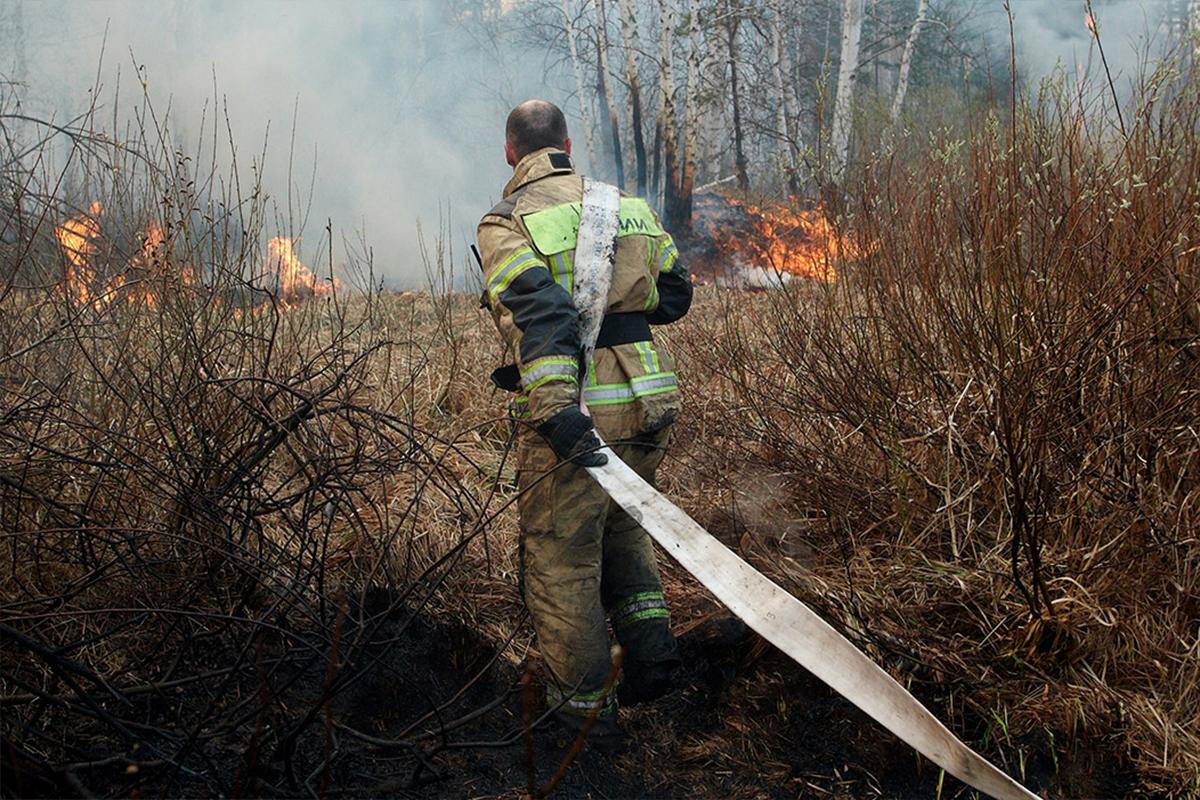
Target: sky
[{"x": 400, "y": 107}]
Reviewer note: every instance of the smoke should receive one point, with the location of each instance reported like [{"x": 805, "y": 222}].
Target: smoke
[
  {"x": 400, "y": 105},
  {"x": 1053, "y": 36}
]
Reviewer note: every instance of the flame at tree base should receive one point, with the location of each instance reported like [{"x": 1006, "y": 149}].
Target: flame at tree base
[{"x": 752, "y": 246}]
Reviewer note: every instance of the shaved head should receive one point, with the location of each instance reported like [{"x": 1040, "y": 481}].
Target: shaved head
[{"x": 533, "y": 125}]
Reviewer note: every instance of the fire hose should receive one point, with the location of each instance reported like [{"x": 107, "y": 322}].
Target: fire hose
[{"x": 769, "y": 610}]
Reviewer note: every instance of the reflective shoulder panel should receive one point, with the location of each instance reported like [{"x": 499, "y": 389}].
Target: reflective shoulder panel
[
  {"x": 554, "y": 230},
  {"x": 637, "y": 218}
]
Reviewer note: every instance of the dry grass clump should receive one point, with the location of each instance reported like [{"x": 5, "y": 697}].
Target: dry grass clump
[{"x": 987, "y": 426}]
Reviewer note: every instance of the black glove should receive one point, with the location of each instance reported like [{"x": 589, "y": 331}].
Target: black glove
[{"x": 571, "y": 436}]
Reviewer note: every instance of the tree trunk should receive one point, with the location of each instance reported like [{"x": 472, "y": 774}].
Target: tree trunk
[
  {"x": 670, "y": 140},
  {"x": 732, "y": 23},
  {"x": 691, "y": 121},
  {"x": 784, "y": 116},
  {"x": 606, "y": 93},
  {"x": 712, "y": 123},
  {"x": 853, "y": 13},
  {"x": 635, "y": 93},
  {"x": 906, "y": 65},
  {"x": 655, "y": 197},
  {"x": 585, "y": 117}
]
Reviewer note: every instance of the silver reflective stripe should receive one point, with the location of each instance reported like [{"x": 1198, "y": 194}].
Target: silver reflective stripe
[
  {"x": 582, "y": 702},
  {"x": 647, "y": 384},
  {"x": 641, "y": 606},
  {"x": 517, "y": 263},
  {"x": 666, "y": 258},
  {"x": 567, "y": 368},
  {"x": 618, "y": 392},
  {"x": 561, "y": 267}
]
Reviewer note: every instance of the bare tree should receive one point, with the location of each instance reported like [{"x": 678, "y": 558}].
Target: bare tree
[
  {"x": 853, "y": 13},
  {"x": 666, "y": 118},
  {"x": 584, "y": 114},
  {"x": 606, "y": 92},
  {"x": 1194, "y": 26},
  {"x": 784, "y": 115},
  {"x": 635, "y": 92},
  {"x": 691, "y": 121},
  {"x": 733, "y": 19},
  {"x": 906, "y": 64}
]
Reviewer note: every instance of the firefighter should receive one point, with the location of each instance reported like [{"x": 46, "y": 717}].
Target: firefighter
[{"x": 584, "y": 562}]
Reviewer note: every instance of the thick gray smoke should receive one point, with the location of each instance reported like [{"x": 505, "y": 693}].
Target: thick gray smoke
[
  {"x": 1053, "y": 36},
  {"x": 401, "y": 104}
]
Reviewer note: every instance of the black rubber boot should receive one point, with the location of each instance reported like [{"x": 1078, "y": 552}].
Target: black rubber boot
[
  {"x": 645, "y": 683},
  {"x": 605, "y": 736}
]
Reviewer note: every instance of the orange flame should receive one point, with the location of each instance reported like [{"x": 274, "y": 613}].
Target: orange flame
[
  {"x": 782, "y": 240},
  {"x": 149, "y": 272},
  {"x": 296, "y": 281},
  {"x": 77, "y": 238}
]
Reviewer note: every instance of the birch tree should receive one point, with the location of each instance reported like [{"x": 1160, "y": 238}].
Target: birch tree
[
  {"x": 906, "y": 65},
  {"x": 682, "y": 221},
  {"x": 733, "y": 21},
  {"x": 635, "y": 92},
  {"x": 666, "y": 117},
  {"x": 781, "y": 67},
  {"x": 606, "y": 94},
  {"x": 712, "y": 120},
  {"x": 585, "y": 116},
  {"x": 853, "y": 13}
]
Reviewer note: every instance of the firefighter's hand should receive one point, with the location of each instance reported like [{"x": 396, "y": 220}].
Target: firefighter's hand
[{"x": 573, "y": 438}]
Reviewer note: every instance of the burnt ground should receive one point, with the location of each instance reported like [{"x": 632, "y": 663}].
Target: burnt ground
[{"x": 745, "y": 722}]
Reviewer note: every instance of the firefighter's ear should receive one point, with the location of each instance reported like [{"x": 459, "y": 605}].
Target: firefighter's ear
[
  {"x": 567, "y": 145},
  {"x": 510, "y": 155}
]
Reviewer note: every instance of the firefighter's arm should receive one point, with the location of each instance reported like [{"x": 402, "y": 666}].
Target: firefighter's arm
[
  {"x": 674, "y": 283},
  {"x": 534, "y": 315}
]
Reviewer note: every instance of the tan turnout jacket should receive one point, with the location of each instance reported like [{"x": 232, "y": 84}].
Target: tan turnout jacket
[{"x": 527, "y": 244}]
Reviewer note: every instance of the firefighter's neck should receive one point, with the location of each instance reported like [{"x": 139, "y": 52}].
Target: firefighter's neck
[{"x": 510, "y": 154}]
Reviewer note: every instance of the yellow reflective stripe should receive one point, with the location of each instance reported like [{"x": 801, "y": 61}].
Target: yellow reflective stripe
[
  {"x": 666, "y": 258},
  {"x": 524, "y": 258},
  {"x": 652, "y": 298},
  {"x": 562, "y": 268},
  {"x": 549, "y": 368},
  {"x": 609, "y": 394},
  {"x": 647, "y": 355}
]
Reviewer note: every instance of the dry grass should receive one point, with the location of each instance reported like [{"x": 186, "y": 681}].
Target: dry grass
[{"x": 976, "y": 453}]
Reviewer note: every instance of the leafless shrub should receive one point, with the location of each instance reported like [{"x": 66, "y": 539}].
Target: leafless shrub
[
  {"x": 990, "y": 418},
  {"x": 218, "y": 482}
]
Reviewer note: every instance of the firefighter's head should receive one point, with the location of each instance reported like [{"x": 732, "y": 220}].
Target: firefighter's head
[{"x": 531, "y": 126}]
